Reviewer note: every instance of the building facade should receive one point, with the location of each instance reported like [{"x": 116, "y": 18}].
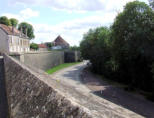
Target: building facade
[{"x": 12, "y": 40}]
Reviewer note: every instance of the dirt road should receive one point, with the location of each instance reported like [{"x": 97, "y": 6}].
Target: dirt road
[{"x": 78, "y": 90}]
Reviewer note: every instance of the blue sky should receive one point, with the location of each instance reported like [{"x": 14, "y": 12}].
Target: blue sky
[{"x": 68, "y": 18}]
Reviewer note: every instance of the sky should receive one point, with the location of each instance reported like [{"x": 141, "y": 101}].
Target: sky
[{"x": 68, "y": 18}]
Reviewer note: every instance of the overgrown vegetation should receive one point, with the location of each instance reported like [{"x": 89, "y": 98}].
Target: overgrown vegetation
[
  {"x": 125, "y": 51},
  {"x": 59, "y": 67}
]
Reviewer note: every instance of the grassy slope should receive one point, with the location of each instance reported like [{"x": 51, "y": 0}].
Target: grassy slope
[{"x": 59, "y": 67}]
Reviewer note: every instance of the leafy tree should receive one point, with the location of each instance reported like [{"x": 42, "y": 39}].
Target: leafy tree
[
  {"x": 125, "y": 52},
  {"x": 14, "y": 22},
  {"x": 34, "y": 46},
  {"x": 94, "y": 47},
  {"x": 26, "y": 27},
  {"x": 4, "y": 20},
  {"x": 151, "y": 3},
  {"x": 133, "y": 33},
  {"x": 49, "y": 45},
  {"x": 75, "y": 48}
]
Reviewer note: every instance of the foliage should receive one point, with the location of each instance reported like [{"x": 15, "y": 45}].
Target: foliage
[
  {"x": 133, "y": 35},
  {"x": 34, "y": 46},
  {"x": 75, "y": 48},
  {"x": 94, "y": 46},
  {"x": 59, "y": 67},
  {"x": 13, "y": 22},
  {"x": 4, "y": 20},
  {"x": 151, "y": 3},
  {"x": 124, "y": 52},
  {"x": 152, "y": 70},
  {"x": 49, "y": 45},
  {"x": 26, "y": 27}
]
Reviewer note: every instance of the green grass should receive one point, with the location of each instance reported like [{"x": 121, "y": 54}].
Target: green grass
[{"x": 59, "y": 67}]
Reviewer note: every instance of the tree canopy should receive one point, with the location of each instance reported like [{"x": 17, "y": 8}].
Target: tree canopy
[
  {"x": 151, "y": 3},
  {"x": 75, "y": 48},
  {"x": 49, "y": 44},
  {"x": 4, "y": 20},
  {"x": 94, "y": 47},
  {"x": 13, "y": 22},
  {"x": 133, "y": 33},
  {"x": 125, "y": 52},
  {"x": 34, "y": 46},
  {"x": 27, "y": 28}
]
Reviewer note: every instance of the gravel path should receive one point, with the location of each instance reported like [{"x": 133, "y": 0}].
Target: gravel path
[
  {"x": 70, "y": 83},
  {"x": 116, "y": 94}
]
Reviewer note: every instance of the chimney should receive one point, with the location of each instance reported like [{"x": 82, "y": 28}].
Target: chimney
[
  {"x": 12, "y": 29},
  {"x": 20, "y": 31},
  {"x": 26, "y": 32}
]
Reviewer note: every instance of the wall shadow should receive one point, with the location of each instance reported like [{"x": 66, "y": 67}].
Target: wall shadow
[
  {"x": 4, "y": 110},
  {"x": 116, "y": 95},
  {"x": 132, "y": 101},
  {"x": 73, "y": 74}
]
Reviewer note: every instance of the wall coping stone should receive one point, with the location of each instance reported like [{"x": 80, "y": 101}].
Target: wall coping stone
[{"x": 81, "y": 111}]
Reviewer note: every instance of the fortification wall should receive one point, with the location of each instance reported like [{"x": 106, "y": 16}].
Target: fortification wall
[
  {"x": 41, "y": 60},
  {"x": 46, "y": 60},
  {"x": 72, "y": 56},
  {"x": 29, "y": 96}
]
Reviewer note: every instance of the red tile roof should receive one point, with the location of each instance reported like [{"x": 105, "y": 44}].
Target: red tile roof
[
  {"x": 42, "y": 46},
  {"x": 9, "y": 30}
]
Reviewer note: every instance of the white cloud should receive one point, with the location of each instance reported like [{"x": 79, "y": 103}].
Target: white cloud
[
  {"x": 28, "y": 13},
  {"x": 9, "y": 15},
  {"x": 23, "y": 14},
  {"x": 73, "y": 30},
  {"x": 78, "y": 5}
]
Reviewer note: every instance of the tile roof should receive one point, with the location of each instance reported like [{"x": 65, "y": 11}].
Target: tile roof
[
  {"x": 60, "y": 41},
  {"x": 9, "y": 30},
  {"x": 42, "y": 46}
]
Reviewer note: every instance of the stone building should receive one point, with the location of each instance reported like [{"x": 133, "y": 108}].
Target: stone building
[
  {"x": 60, "y": 43},
  {"x": 12, "y": 40}
]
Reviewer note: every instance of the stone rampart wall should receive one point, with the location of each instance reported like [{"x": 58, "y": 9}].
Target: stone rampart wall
[
  {"x": 29, "y": 96},
  {"x": 46, "y": 60}
]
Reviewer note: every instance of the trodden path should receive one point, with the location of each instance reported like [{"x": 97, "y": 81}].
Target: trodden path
[{"x": 97, "y": 97}]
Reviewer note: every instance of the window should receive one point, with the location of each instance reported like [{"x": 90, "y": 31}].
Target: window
[
  {"x": 18, "y": 41},
  {"x": 10, "y": 41}
]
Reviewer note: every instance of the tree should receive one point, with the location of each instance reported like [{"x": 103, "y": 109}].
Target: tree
[
  {"x": 4, "y": 20},
  {"x": 13, "y": 22},
  {"x": 27, "y": 28},
  {"x": 132, "y": 33},
  {"x": 34, "y": 46},
  {"x": 151, "y": 3},
  {"x": 49, "y": 45},
  {"x": 94, "y": 47},
  {"x": 75, "y": 48}
]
